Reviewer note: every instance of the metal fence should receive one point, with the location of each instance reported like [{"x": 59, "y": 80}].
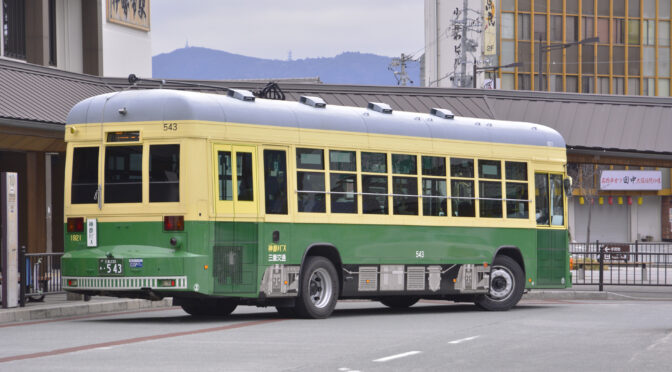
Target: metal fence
[
  {"x": 42, "y": 273},
  {"x": 632, "y": 264}
]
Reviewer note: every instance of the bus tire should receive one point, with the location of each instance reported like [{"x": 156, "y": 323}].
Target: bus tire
[
  {"x": 208, "y": 307},
  {"x": 319, "y": 289},
  {"x": 507, "y": 283},
  {"x": 399, "y": 302}
]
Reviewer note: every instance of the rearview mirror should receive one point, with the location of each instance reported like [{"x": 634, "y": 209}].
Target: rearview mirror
[{"x": 568, "y": 185}]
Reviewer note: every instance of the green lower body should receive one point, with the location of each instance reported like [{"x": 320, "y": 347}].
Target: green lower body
[{"x": 230, "y": 259}]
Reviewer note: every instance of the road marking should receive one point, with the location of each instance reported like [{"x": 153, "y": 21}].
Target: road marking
[
  {"x": 463, "y": 340},
  {"x": 134, "y": 340},
  {"x": 397, "y": 356}
]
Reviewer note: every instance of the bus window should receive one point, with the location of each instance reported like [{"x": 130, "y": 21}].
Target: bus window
[
  {"x": 275, "y": 178},
  {"x": 557, "y": 206},
  {"x": 517, "y": 205},
  {"x": 84, "y": 175},
  {"x": 123, "y": 174},
  {"x": 462, "y": 191},
  {"x": 434, "y": 201},
  {"x": 311, "y": 186},
  {"x": 541, "y": 198},
  {"x": 164, "y": 173},
  {"x": 487, "y": 192},
  {"x": 224, "y": 175},
  {"x": 407, "y": 204},
  {"x": 244, "y": 176},
  {"x": 343, "y": 185},
  {"x": 374, "y": 162},
  {"x": 374, "y": 204}
]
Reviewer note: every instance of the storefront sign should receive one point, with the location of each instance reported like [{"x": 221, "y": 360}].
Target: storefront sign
[
  {"x": 131, "y": 13},
  {"x": 489, "y": 28},
  {"x": 631, "y": 180}
]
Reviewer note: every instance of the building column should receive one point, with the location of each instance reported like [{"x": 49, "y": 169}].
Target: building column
[
  {"x": 37, "y": 32},
  {"x": 666, "y": 218},
  {"x": 35, "y": 202}
]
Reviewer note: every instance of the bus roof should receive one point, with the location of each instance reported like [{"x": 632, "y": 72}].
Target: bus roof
[{"x": 166, "y": 105}]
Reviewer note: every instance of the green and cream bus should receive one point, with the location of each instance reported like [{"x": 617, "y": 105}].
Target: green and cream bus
[{"x": 226, "y": 200}]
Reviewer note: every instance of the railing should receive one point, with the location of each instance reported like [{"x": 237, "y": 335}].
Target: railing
[{"x": 632, "y": 264}]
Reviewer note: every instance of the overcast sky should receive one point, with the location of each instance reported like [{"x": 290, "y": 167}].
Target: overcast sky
[{"x": 273, "y": 28}]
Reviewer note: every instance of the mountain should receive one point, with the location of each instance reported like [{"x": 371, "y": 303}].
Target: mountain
[{"x": 209, "y": 64}]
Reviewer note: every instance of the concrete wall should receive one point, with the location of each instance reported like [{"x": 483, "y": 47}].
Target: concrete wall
[{"x": 125, "y": 50}]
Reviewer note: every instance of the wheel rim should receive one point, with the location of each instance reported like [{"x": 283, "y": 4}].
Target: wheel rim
[
  {"x": 320, "y": 288},
  {"x": 501, "y": 283}
]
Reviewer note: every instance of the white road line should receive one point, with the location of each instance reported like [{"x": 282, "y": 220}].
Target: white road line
[
  {"x": 397, "y": 356},
  {"x": 463, "y": 340}
]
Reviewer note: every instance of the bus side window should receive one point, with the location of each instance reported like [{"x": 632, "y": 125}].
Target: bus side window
[
  {"x": 374, "y": 186},
  {"x": 541, "y": 198},
  {"x": 225, "y": 177},
  {"x": 463, "y": 203},
  {"x": 275, "y": 180},
  {"x": 244, "y": 176},
  {"x": 311, "y": 186}
]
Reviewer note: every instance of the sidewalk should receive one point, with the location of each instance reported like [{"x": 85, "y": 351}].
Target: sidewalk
[{"x": 57, "y": 306}]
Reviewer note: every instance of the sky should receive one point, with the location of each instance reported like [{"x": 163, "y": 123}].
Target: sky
[{"x": 272, "y": 28}]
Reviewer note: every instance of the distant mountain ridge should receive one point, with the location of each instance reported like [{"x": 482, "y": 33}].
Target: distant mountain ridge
[{"x": 345, "y": 68}]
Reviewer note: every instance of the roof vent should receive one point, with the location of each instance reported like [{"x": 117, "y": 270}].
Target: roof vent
[
  {"x": 442, "y": 113},
  {"x": 380, "y": 107},
  {"x": 241, "y": 94},
  {"x": 316, "y": 102}
]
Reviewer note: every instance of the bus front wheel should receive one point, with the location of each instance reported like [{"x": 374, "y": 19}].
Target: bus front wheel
[
  {"x": 319, "y": 289},
  {"x": 507, "y": 283}
]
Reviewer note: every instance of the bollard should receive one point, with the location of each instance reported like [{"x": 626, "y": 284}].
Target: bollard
[
  {"x": 582, "y": 273},
  {"x": 645, "y": 274},
  {"x": 601, "y": 261}
]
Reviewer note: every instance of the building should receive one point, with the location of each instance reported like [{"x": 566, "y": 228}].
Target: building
[
  {"x": 68, "y": 38},
  {"x": 631, "y": 57}
]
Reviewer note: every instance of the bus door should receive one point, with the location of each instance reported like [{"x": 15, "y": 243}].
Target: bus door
[
  {"x": 236, "y": 206},
  {"x": 551, "y": 230}
]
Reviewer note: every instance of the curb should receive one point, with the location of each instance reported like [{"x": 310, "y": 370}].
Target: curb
[
  {"x": 79, "y": 309},
  {"x": 568, "y": 295}
]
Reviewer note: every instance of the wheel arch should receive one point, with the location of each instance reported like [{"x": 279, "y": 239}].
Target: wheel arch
[
  {"x": 330, "y": 252},
  {"x": 512, "y": 252}
]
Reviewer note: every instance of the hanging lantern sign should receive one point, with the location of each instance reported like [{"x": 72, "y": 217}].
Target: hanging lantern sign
[{"x": 631, "y": 180}]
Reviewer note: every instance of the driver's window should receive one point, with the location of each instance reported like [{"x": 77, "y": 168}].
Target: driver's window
[{"x": 541, "y": 198}]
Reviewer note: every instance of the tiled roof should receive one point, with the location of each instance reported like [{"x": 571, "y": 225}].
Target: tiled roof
[{"x": 623, "y": 123}]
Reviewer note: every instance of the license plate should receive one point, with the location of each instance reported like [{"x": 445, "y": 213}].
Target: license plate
[{"x": 110, "y": 266}]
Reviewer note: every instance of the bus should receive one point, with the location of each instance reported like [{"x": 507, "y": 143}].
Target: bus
[{"x": 220, "y": 200}]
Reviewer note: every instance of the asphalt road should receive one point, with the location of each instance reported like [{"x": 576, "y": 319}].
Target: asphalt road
[{"x": 361, "y": 336}]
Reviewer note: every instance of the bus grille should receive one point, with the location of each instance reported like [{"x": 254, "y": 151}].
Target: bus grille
[{"x": 228, "y": 265}]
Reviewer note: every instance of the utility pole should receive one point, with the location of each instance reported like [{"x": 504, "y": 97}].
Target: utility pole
[
  {"x": 461, "y": 25},
  {"x": 401, "y": 75}
]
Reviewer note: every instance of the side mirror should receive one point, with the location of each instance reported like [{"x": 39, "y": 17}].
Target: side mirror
[{"x": 567, "y": 183}]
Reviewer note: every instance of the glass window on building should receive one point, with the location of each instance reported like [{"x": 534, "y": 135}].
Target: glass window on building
[
  {"x": 664, "y": 33},
  {"x": 633, "y": 31},
  {"x": 663, "y": 9},
  {"x": 540, "y": 27},
  {"x": 649, "y": 61},
  {"x": 572, "y": 55},
  {"x": 664, "y": 62},
  {"x": 508, "y": 81},
  {"x": 649, "y": 32},
  {"x": 633, "y": 86},
  {"x": 508, "y": 53},
  {"x": 664, "y": 87},
  {"x": 540, "y": 6},
  {"x": 507, "y": 26},
  {"x": 587, "y": 84},
  {"x": 618, "y": 85},
  {"x": 619, "y": 31},
  {"x": 633, "y": 61},
  {"x": 556, "y": 28},
  {"x": 603, "y": 59},
  {"x": 509, "y": 5},
  {"x": 618, "y": 60},
  {"x": 603, "y": 30},
  {"x": 14, "y": 28},
  {"x": 588, "y": 30},
  {"x": 603, "y": 85},
  {"x": 554, "y": 58},
  {"x": 524, "y": 26},
  {"x": 618, "y": 8},
  {"x": 633, "y": 8},
  {"x": 524, "y": 55},
  {"x": 571, "y": 29},
  {"x": 524, "y": 82},
  {"x": 572, "y": 84},
  {"x": 588, "y": 7},
  {"x": 649, "y": 8},
  {"x": 648, "y": 88},
  {"x": 588, "y": 59},
  {"x": 603, "y": 7},
  {"x": 524, "y": 5},
  {"x": 572, "y": 6},
  {"x": 556, "y": 83}
]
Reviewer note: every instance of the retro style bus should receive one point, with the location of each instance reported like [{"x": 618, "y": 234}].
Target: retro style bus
[{"x": 220, "y": 200}]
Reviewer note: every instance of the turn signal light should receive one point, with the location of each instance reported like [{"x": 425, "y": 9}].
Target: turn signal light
[
  {"x": 173, "y": 223},
  {"x": 75, "y": 224}
]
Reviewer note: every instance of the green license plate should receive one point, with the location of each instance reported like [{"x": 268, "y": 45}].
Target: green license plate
[{"x": 110, "y": 266}]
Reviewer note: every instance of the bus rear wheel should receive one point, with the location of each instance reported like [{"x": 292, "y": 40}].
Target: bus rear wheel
[
  {"x": 208, "y": 307},
  {"x": 401, "y": 302},
  {"x": 506, "y": 285},
  {"x": 319, "y": 289}
]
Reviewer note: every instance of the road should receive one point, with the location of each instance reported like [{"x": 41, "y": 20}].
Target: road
[{"x": 360, "y": 336}]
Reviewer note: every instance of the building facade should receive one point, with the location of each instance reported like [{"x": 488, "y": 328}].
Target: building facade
[
  {"x": 631, "y": 57},
  {"x": 45, "y": 47}
]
